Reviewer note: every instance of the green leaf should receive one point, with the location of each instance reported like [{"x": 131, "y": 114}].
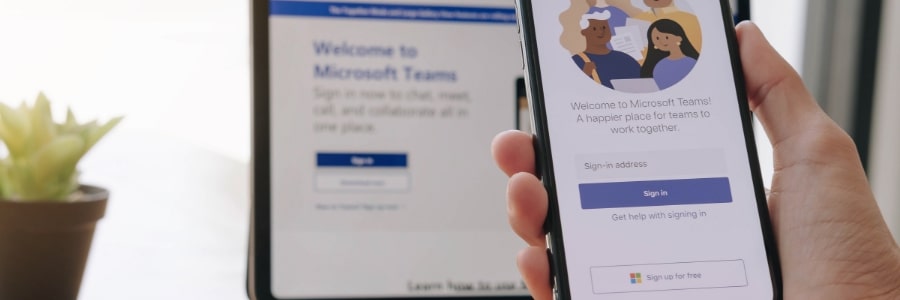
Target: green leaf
[
  {"x": 58, "y": 159},
  {"x": 15, "y": 130},
  {"x": 70, "y": 117},
  {"x": 99, "y": 132},
  {"x": 42, "y": 122},
  {"x": 71, "y": 124}
]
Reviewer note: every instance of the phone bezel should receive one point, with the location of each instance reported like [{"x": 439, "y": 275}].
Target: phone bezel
[
  {"x": 259, "y": 271},
  {"x": 544, "y": 162}
]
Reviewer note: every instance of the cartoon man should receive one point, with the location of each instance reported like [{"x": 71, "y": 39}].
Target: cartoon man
[
  {"x": 664, "y": 9},
  {"x": 617, "y": 18},
  {"x": 598, "y": 61}
]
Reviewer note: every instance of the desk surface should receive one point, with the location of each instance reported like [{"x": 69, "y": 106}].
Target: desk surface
[{"x": 176, "y": 226}]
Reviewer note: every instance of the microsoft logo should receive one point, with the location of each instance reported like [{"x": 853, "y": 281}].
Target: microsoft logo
[{"x": 635, "y": 278}]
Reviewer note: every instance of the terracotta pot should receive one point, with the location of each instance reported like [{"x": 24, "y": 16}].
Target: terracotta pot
[{"x": 44, "y": 245}]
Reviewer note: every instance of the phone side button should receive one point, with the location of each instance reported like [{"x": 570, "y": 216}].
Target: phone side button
[
  {"x": 522, "y": 50},
  {"x": 552, "y": 269},
  {"x": 538, "y": 150}
]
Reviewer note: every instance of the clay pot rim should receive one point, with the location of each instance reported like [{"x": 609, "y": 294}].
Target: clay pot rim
[
  {"x": 55, "y": 215},
  {"x": 87, "y": 193}
]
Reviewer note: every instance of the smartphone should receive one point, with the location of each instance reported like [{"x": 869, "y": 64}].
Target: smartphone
[{"x": 645, "y": 146}]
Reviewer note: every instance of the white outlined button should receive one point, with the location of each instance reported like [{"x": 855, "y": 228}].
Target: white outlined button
[{"x": 668, "y": 277}]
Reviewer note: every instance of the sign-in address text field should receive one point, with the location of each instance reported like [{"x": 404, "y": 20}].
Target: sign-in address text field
[{"x": 656, "y": 164}]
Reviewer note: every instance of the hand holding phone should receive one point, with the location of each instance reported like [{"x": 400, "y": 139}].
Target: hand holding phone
[
  {"x": 806, "y": 215},
  {"x": 648, "y": 160}
]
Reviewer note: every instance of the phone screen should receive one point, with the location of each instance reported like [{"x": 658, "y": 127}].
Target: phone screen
[
  {"x": 382, "y": 183},
  {"x": 651, "y": 161}
]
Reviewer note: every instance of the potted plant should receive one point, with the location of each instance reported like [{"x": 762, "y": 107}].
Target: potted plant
[{"x": 47, "y": 217}]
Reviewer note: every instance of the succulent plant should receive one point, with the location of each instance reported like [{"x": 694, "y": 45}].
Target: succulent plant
[{"x": 43, "y": 155}]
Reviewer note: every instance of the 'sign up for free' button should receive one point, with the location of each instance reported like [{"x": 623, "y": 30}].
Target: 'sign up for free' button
[{"x": 668, "y": 277}]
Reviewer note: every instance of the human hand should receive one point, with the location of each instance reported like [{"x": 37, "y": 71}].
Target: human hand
[{"x": 832, "y": 239}]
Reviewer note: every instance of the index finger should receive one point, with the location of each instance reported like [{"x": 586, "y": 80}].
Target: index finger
[{"x": 514, "y": 152}]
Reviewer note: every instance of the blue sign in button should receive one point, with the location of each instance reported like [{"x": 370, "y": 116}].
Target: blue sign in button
[
  {"x": 655, "y": 193},
  {"x": 361, "y": 160}
]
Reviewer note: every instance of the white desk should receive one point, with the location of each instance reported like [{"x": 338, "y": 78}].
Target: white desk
[{"x": 176, "y": 226}]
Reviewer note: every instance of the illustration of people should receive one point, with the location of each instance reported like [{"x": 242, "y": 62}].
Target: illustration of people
[
  {"x": 617, "y": 18},
  {"x": 598, "y": 61},
  {"x": 664, "y": 9},
  {"x": 671, "y": 55}
]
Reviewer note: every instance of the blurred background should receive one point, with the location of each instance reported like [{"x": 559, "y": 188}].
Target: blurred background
[{"x": 177, "y": 167}]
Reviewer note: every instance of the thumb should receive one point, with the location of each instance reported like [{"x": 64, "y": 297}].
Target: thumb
[{"x": 776, "y": 92}]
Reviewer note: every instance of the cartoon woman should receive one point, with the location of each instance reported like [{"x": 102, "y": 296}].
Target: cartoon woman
[{"x": 671, "y": 55}]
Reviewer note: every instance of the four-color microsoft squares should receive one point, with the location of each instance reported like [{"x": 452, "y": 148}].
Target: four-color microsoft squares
[{"x": 635, "y": 278}]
